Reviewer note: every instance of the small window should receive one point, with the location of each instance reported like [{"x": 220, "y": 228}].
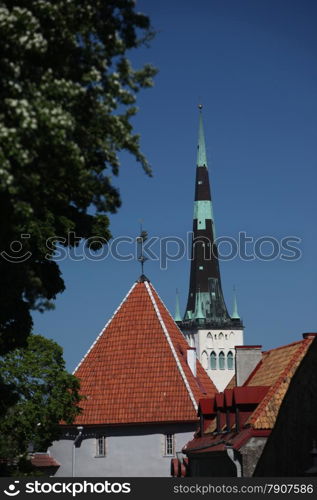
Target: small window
[
  {"x": 213, "y": 360},
  {"x": 221, "y": 361},
  {"x": 101, "y": 446},
  {"x": 204, "y": 360},
  {"x": 220, "y": 340},
  {"x": 169, "y": 445},
  {"x": 209, "y": 340},
  {"x": 230, "y": 360}
]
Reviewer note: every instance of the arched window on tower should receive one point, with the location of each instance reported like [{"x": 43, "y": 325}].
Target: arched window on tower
[
  {"x": 230, "y": 360},
  {"x": 221, "y": 361},
  {"x": 213, "y": 360},
  {"x": 204, "y": 360},
  {"x": 209, "y": 340},
  {"x": 220, "y": 340}
]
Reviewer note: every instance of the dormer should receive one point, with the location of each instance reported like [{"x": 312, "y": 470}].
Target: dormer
[
  {"x": 245, "y": 400},
  {"x": 206, "y": 413}
]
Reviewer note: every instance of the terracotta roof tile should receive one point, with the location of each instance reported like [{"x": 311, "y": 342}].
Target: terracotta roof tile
[
  {"x": 275, "y": 371},
  {"x": 277, "y": 367},
  {"x": 232, "y": 383},
  {"x": 273, "y": 363},
  {"x": 136, "y": 370},
  {"x": 44, "y": 460}
]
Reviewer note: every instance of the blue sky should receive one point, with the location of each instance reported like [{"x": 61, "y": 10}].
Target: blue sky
[{"x": 252, "y": 63}]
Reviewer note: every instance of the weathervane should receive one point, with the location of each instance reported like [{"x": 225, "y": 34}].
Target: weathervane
[{"x": 140, "y": 240}]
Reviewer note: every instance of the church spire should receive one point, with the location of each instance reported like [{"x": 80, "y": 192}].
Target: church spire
[
  {"x": 205, "y": 282},
  {"x": 201, "y": 147},
  {"x": 207, "y": 324}
]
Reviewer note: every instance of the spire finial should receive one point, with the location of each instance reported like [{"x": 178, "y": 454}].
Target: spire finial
[
  {"x": 177, "y": 315},
  {"x": 201, "y": 148},
  {"x": 235, "y": 314},
  {"x": 140, "y": 240}
]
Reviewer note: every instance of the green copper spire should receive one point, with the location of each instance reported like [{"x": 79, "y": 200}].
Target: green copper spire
[
  {"x": 201, "y": 148},
  {"x": 188, "y": 315},
  {"x": 199, "y": 315},
  {"x": 235, "y": 314},
  {"x": 177, "y": 315}
]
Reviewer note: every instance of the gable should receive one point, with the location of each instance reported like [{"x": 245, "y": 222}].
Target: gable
[{"x": 136, "y": 370}]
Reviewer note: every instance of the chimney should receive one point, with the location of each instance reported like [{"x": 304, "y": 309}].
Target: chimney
[
  {"x": 247, "y": 358},
  {"x": 191, "y": 359},
  {"x": 309, "y": 335}
]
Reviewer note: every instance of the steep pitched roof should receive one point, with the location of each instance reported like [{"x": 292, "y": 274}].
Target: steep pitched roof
[
  {"x": 232, "y": 383},
  {"x": 136, "y": 371},
  {"x": 269, "y": 381},
  {"x": 276, "y": 370}
]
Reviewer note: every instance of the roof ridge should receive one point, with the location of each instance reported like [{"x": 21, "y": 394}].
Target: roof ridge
[
  {"x": 265, "y": 354},
  {"x": 297, "y": 356},
  {"x": 283, "y": 346},
  {"x": 198, "y": 379},
  {"x": 301, "y": 346},
  {"x": 104, "y": 328},
  {"x": 168, "y": 312},
  {"x": 170, "y": 343}
]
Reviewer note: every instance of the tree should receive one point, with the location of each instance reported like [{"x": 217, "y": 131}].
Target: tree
[
  {"x": 45, "y": 393},
  {"x": 67, "y": 95}
]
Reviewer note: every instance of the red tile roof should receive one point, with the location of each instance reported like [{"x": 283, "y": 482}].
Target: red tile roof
[
  {"x": 136, "y": 370},
  {"x": 220, "y": 442},
  {"x": 265, "y": 389},
  {"x": 44, "y": 460},
  {"x": 232, "y": 383},
  {"x": 276, "y": 369}
]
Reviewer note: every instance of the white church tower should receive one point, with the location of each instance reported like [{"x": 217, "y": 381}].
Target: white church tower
[{"x": 207, "y": 325}]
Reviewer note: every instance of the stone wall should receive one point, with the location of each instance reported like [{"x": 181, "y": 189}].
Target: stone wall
[{"x": 251, "y": 453}]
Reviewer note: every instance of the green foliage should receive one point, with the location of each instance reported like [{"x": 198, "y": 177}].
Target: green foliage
[
  {"x": 67, "y": 95},
  {"x": 45, "y": 394}
]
